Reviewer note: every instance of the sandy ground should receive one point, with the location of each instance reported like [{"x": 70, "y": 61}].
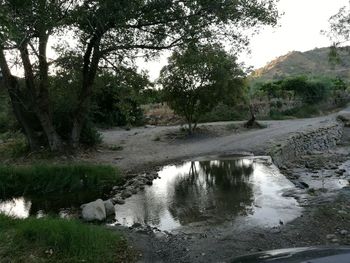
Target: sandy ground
[{"x": 153, "y": 146}]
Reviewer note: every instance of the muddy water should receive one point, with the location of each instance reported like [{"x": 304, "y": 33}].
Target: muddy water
[{"x": 237, "y": 190}]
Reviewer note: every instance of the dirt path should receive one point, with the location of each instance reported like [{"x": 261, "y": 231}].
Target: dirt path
[{"x": 147, "y": 146}]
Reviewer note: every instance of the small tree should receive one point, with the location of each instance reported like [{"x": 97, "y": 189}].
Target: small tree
[{"x": 198, "y": 78}]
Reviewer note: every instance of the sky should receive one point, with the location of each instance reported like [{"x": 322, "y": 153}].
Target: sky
[{"x": 299, "y": 29}]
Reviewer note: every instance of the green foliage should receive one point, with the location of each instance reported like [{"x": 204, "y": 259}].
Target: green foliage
[
  {"x": 57, "y": 240},
  {"x": 310, "y": 90},
  {"x": 90, "y": 136},
  {"x": 64, "y": 101},
  {"x": 14, "y": 145},
  {"x": 117, "y": 98},
  {"x": 223, "y": 112},
  {"x": 45, "y": 179},
  {"x": 109, "y": 34},
  {"x": 151, "y": 96},
  {"x": 198, "y": 78},
  {"x": 305, "y": 111}
]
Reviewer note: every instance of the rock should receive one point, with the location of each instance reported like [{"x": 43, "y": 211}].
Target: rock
[
  {"x": 334, "y": 240},
  {"x": 331, "y": 236},
  {"x": 340, "y": 171},
  {"x": 159, "y": 235},
  {"x": 342, "y": 212},
  {"x": 150, "y": 182},
  {"x": 94, "y": 211},
  {"x": 110, "y": 210},
  {"x": 344, "y": 232},
  {"x": 126, "y": 194},
  {"x": 119, "y": 201},
  {"x": 136, "y": 225},
  {"x": 344, "y": 116},
  {"x": 302, "y": 185}
]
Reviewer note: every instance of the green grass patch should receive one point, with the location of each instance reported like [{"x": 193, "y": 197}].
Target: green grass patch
[
  {"x": 58, "y": 240},
  {"x": 43, "y": 179},
  {"x": 13, "y": 145}
]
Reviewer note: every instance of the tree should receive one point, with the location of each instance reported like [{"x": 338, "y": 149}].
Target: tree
[
  {"x": 106, "y": 33},
  {"x": 198, "y": 78}
]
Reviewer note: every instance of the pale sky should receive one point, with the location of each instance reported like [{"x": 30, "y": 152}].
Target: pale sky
[{"x": 298, "y": 30}]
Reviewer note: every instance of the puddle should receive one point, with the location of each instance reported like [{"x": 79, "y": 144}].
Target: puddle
[{"x": 233, "y": 190}]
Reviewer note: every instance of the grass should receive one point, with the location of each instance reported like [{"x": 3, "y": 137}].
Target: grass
[
  {"x": 43, "y": 179},
  {"x": 13, "y": 145},
  {"x": 58, "y": 240}
]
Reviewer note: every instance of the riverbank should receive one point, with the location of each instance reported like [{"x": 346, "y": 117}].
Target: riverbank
[
  {"x": 142, "y": 151},
  {"x": 321, "y": 174}
]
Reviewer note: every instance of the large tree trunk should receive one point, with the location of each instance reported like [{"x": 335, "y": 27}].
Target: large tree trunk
[
  {"x": 18, "y": 105},
  {"x": 40, "y": 99},
  {"x": 91, "y": 60}
]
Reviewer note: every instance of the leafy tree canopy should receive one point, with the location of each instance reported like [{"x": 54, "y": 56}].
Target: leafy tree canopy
[
  {"x": 105, "y": 33},
  {"x": 198, "y": 78}
]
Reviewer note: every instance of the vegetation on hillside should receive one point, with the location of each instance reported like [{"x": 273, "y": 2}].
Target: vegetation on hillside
[
  {"x": 301, "y": 96},
  {"x": 316, "y": 62}
]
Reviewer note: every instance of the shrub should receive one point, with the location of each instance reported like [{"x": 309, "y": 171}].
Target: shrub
[
  {"x": 57, "y": 240},
  {"x": 44, "y": 179},
  {"x": 223, "y": 112}
]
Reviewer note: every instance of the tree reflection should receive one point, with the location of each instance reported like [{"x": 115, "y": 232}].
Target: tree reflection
[{"x": 213, "y": 189}]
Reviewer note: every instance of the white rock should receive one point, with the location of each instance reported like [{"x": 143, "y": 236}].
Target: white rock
[
  {"x": 94, "y": 211},
  {"x": 344, "y": 232},
  {"x": 331, "y": 236},
  {"x": 344, "y": 115},
  {"x": 110, "y": 210}
]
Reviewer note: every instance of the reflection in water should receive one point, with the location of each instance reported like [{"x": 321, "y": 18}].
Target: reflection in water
[
  {"x": 212, "y": 192},
  {"x": 64, "y": 206},
  {"x": 17, "y": 207}
]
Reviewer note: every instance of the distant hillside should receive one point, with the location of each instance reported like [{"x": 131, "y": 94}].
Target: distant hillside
[{"x": 313, "y": 62}]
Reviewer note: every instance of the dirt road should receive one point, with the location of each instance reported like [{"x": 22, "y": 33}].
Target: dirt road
[{"x": 150, "y": 146}]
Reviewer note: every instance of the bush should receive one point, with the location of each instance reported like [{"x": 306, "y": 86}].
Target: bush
[
  {"x": 224, "y": 112},
  {"x": 43, "y": 179},
  {"x": 63, "y": 107},
  {"x": 57, "y": 240},
  {"x": 305, "y": 111},
  {"x": 14, "y": 145},
  {"x": 117, "y": 98}
]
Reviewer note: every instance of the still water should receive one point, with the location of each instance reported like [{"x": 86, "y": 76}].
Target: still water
[
  {"x": 65, "y": 205},
  {"x": 244, "y": 190}
]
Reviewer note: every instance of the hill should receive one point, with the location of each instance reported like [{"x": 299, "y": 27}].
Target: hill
[{"x": 313, "y": 62}]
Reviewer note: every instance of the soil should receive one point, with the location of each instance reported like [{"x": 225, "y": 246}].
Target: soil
[
  {"x": 149, "y": 146},
  {"x": 326, "y": 212},
  {"x": 325, "y": 221}
]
